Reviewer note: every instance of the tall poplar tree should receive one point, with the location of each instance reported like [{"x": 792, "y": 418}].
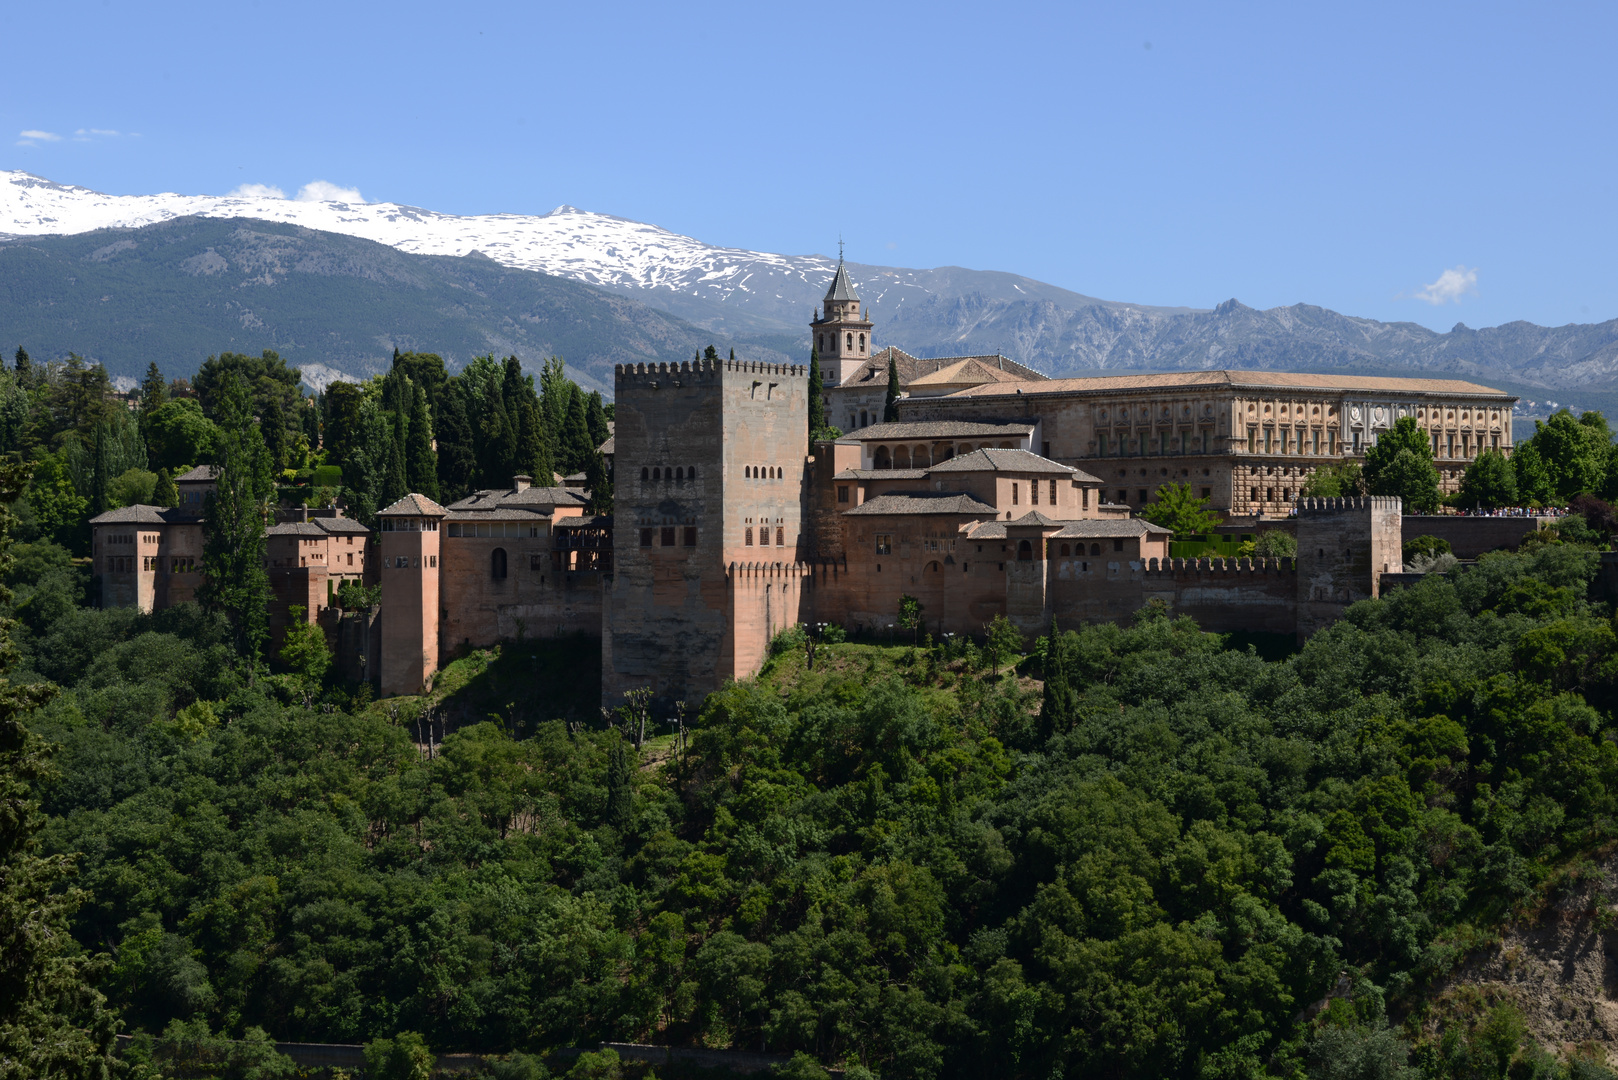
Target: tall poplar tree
[
  {"x": 595, "y": 414},
  {"x": 234, "y": 581}
]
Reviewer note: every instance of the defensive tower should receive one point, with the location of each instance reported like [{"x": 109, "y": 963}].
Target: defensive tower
[
  {"x": 709, "y": 476},
  {"x": 409, "y": 549}
]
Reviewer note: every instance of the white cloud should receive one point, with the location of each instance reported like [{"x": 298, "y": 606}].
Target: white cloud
[
  {"x": 34, "y": 138},
  {"x": 325, "y": 191},
  {"x": 1450, "y": 286},
  {"x": 258, "y": 191}
]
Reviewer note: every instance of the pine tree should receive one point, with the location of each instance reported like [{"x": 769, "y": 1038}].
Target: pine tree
[
  {"x": 577, "y": 449},
  {"x": 25, "y": 368},
  {"x": 817, "y": 396},
  {"x": 421, "y": 464},
  {"x": 154, "y": 390},
  {"x": 457, "y": 460},
  {"x": 890, "y": 406},
  {"x": 234, "y": 581},
  {"x": 52, "y": 1021},
  {"x": 711, "y": 355},
  {"x": 165, "y": 494}
]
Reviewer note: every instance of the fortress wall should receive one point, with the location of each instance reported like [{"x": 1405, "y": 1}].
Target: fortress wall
[
  {"x": 478, "y": 609},
  {"x": 765, "y": 598},
  {"x": 1221, "y": 594},
  {"x": 1344, "y": 546},
  {"x": 1470, "y": 537}
]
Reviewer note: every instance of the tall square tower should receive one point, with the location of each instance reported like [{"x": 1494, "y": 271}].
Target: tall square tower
[
  {"x": 408, "y": 537},
  {"x": 708, "y": 503}
]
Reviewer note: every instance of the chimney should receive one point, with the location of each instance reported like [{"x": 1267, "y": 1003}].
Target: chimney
[{"x": 522, "y": 482}]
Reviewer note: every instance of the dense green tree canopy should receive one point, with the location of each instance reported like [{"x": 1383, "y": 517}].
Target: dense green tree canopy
[{"x": 1401, "y": 464}]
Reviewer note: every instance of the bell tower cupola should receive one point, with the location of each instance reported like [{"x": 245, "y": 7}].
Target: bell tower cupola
[{"x": 842, "y": 331}]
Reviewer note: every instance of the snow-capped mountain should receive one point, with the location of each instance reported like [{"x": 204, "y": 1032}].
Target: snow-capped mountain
[{"x": 602, "y": 250}]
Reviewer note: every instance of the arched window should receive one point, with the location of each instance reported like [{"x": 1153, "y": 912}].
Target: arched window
[
  {"x": 1025, "y": 551},
  {"x": 657, "y": 474},
  {"x": 901, "y": 457},
  {"x": 919, "y": 458},
  {"x": 935, "y": 568},
  {"x": 820, "y": 342},
  {"x": 864, "y": 418},
  {"x": 850, "y": 342},
  {"x": 1095, "y": 549},
  {"x": 645, "y": 474},
  {"x": 679, "y": 474},
  {"x": 497, "y": 564},
  {"x": 881, "y": 460},
  {"x": 1065, "y": 551},
  {"x": 862, "y": 343},
  {"x": 690, "y": 472}
]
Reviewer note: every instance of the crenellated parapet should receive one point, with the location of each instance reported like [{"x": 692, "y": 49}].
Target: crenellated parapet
[
  {"x": 1319, "y": 505},
  {"x": 1191, "y": 569}
]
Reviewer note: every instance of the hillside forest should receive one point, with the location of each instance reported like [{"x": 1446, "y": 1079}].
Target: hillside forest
[{"x": 1130, "y": 851}]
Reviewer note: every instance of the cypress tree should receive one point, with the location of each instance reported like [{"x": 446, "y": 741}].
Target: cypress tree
[
  {"x": 817, "y": 391},
  {"x": 577, "y": 449},
  {"x": 274, "y": 426},
  {"x": 421, "y": 464},
  {"x": 595, "y": 415},
  {"x": 496, "y": 440},
  {"x": 234, "y": 581},
  {"x": 25, "y": 368},
  {"x": 535, "y": 447},
  {"x": 457, "y": 460},
  {"x": 599, "y": 484},
  {"x": 890, "y": 406},
  {"x": 100, "y": 481},
  {"x": 1059, "y": 706},
  {"x": 52, "y": 1020},
  {"x": 311, "y": 421},
  {"x": 165, "y": 494}
]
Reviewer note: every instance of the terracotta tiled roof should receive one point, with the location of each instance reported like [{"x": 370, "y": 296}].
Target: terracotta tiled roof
[
  {"x": 1254, "y": 380},
  {"x": 140, "y": 514},
  {"x": 413, "y": 505},
  {"x": 921, "y": 502},
  {"x": 1103, "y": 527},
  {"x": 341, "y": 525},
  {"x": 969, "y": 372},
  {"x": 940, "y": 429},
  {"x": 881, "y": 474},
  {"x": 995, "y": 460},
  {"x": 914, "y": 367},
  {"x": 296, "y": 528},
  {"x": 1034, "y": 517}
]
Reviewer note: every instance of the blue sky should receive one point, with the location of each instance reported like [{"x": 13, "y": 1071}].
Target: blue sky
[{"x": 1433, "y": 162}]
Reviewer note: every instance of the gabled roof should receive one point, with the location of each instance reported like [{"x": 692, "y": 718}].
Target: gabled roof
[
  {"x": 338, "y": 525},
  {"x": 202, "y": 474},
  {"x": 530, "y": 498},
  {"x": 921, "y": 502},
  {"x": 608, "y": 448},
  {"x": 1254, "y": 380},
  {"x": 1107, "y": 527},
  {"x": 969, "y": 372},
  {"x": 140, "y": 514},
  {"x": 841, "y": 288},
  {"x": 296, "y": 528},
  {"x": 991, "y": 459},
  {"x": 911, "y": 368},
  {"x": 1034, "y": 517},
  {"x": 881, "y": 474},
  {"x": 413, "y": 505},
  {"x": 940, "y": 429}
]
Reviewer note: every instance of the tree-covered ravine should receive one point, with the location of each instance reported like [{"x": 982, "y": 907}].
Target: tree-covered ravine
[{"x": 1135, "y": 851}]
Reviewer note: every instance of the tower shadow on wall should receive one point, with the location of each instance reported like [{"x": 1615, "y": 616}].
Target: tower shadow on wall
[{"x": 524, "y": 683}]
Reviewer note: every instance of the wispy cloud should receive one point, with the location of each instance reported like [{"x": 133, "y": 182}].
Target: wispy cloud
[
  {"x": 34, "y": 138},
  {"x": 325, "y": 191},
  {"x": 259, "y": 191},
  {"x": 97, "y": 131},
  {"x": 1450, "y": 286}
]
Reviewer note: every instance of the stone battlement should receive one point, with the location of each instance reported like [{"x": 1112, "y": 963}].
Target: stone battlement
[
  {"x": 1187, "y": 569},
  {"x": 1314, "y": 505},
  {"x": 706, "y": 369},
  {"x": 769, "y": 569}
]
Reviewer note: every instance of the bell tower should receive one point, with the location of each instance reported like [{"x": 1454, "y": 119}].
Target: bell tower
[{"x": 842, "y": 333}]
